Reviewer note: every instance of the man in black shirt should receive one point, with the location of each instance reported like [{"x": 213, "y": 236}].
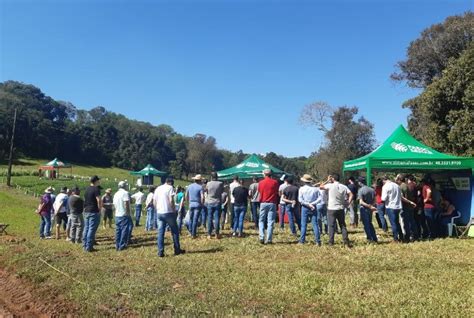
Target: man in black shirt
[
  {"x": 353, "y": 216},
  {"x": 92, "y": 206},
  {"x": 241, "y": 195},
  {"x": 290, "y": 197},
  {"x": 76, "y": 207}
]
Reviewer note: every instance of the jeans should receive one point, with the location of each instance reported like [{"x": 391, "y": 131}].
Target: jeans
[
  {"x": 203, "y": 218},
  {"x": 381, "y": 213},
  {"x": 420, "y": 222},
  {"x": 254, "y": 206},
  {"x": 333, "y": 216},
  {"x": 353, "y": 217},
  {"x": 121, "y": 232},
  {"x": 194, "y": 219},
  {"x": 268, "y": 213},
  {"x": 214, "y": 216},
  {"x": 232, "y": 215},
  {"x": 409, "y": 224},
  {"x": 180, "y": 217},
  {"x": 129, "y": 227},
  {"x": 430, "y": 222},
  {"x": 290, "y": 210},
  {"x": 170, "y": 220},
  {"x": 45, "y": 225},
  {"x": 366, "y": 218},
  {"x": 322, "y": 217},
  {"x": 312, "y": 216},
  {"x": 283, "y": 208},
  {"x": 77, "y": 222},
  {"x": 224, "y": 216},
  {"x": 393, "y": 216},
  {"x": 150, "y": 219},
  {"x": 138, "y": 214},
  {"x": 239, "y": 216},
  {"x": 91, "y": 223}
]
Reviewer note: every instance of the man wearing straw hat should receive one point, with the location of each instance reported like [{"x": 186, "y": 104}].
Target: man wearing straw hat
[
  {"x": 44, "y": 211},
  {"x": 268, "y": 189},
  {"x": 308, "y": 197},
  {"x": 195, "y": 198}
]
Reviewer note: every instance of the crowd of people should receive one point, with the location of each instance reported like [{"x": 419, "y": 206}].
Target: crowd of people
[{"x": 415, "y": 211}]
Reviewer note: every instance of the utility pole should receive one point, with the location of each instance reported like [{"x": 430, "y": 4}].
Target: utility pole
[{"x": 10, "y": 158}]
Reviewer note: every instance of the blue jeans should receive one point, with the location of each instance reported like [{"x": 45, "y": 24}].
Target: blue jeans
[
  {"x": 203, "y": 218},
  {"x": 290, "y": 210},
  {"x": 170, "y": 220},
  {"x": 282, "y": 215},
  {"x": 381, "y": 213},
  {"x": 312, "y": 216},
  {"x": 195, "y": 213},
  {"x": 268, "y": 213},
  {"x": 130, "y": 227},
  {"x": 366, "y": 218},
  {"x": 91, "y": 223},
  {"x": 409, "y": 224},
  {"x": 239, "y": 216},
  {"x": 394, "y": 217},
  {"x": 254, "y": 206},
  {"x": 45, "y": 225},
  {"x": 214, "y": 211},
  {"x": 138, "y": 214},
  {"x": 322, "y": 217},
  {"x": 430, "y": 222},
  {"x": 121, "y": 232},
  {"x": 180, "y": 217},
  {"x": 150, "y": 219}
]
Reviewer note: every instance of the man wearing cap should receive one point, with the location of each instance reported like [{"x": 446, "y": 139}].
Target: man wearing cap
[
  {"x": 92, "y": 206},
  {"x": 43, "y": 211},
  {"x": 214, "y": 190},
  {"x": 60, "y": 215},
  {"x": 76, "y": 207},
  {"x": 163, "y": 200},
  {"x": 195, "y": 198},
  {"x": 308, "y": 196},
  {"x": 366, "y": 196},
  {"x": 339, "y": 197},
  {"x": 392, "y": 196},
  {"x": 121, "y": 202},
  {"x": 268, "y": 189},
  {"x": 139, "y": 196},
  {"x": 107, "y": 208}
]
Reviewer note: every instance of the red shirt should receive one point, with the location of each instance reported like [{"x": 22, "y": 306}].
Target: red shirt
[
  {"x": 268, "y": 190},
  {"x": 378, "y": 195},
  {"x": 428, "y": 204}
]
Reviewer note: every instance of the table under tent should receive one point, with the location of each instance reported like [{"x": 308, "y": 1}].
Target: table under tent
[
  {"x": 251, "y": 167},
  {"x": 402, "y": 153},
  {"x": 147, "y": 174},
  {"x": 51, "y": 169}
]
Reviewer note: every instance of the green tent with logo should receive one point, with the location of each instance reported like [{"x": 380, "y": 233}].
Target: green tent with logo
[
  {"x": 401, "y": 151},
  {"x": 51, "y": 169},
  {"x": 148, "y": 173},
  {"x": 251, "y": 167}
]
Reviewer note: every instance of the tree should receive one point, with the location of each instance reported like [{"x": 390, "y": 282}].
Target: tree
[{"x": 430, "y": 54}]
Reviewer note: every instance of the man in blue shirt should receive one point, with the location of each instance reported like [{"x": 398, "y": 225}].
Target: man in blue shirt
[
  {"x": 195, "y": 198},
  {"x": 308, "y": 196}
]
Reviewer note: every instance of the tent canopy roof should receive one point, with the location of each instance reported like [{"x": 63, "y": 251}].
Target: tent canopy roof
[
  {"x": 402, "y": 151},
  {"x": 56, "y": 163},
  {"x": 251, "y": 167},
  {"x": 147, "y": 171}
]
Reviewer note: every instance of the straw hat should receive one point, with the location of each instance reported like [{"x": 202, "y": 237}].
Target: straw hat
[
  {"x": 197, "y": 177},
  {"x": 49, "y": 190},
  {"x": 306, "y": 178}
]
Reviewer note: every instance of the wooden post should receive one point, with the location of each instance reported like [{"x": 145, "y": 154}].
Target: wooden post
[{"x": 10, "y": 157}]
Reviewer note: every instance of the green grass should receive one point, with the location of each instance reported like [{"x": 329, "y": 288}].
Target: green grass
[{"x": 241, "y": 277}]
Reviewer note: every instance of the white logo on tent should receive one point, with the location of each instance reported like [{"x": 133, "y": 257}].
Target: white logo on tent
[
  {"x": 398, "y": 146},
  {"x": 251, "y": 165}
]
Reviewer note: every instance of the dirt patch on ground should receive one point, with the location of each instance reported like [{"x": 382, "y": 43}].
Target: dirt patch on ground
[{"x": 18, "y": 299}]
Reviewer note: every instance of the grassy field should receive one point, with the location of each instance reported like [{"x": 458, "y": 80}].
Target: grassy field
[{"x": 239, "y": 276}]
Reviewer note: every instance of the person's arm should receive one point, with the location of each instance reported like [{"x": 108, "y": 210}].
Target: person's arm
[
  {"x": 428, "y": 195},
  {"x": 226, "y": 200},
  {"x": 351, "y": 197},
  {"x": 285, "y": 199},
  {"x": 202, "y": 197},
  {"x": 127, "y": 207},
  {"x": 384, "y": 195},
  {"x": 171, "y": 198},
  {"x": 408, "y": 201},
  {"x": 186, "y": 195},
  {"x": 313, "y": 203}
]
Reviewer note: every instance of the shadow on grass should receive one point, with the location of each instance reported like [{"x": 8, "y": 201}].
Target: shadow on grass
[{"x": 206, "y": 251}]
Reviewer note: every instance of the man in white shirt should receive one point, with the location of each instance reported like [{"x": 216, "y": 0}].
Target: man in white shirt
[
  {"x": 163, "y": 201},
  {"x": 139, "y": 197},
  {"x": 235, "y": 183},
  {"x": 392, "y": 196},
  {"x": 60, "y": 210},
  {"x": 339, "y": 197},
  {"x": 282, "y": 188},
  {"x": 122, "y": 216},
  {"x": 150, "y": 211}
]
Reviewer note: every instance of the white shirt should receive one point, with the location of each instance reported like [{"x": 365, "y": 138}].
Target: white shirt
[
  {"x": 149, "y": 199},
  {"x": 322, "y": 198},
  {"x": 120, "y": 199},
  {"x": 138, "y": 197},
  {"x": 60, "y": 199},
  {"x": 232, "y": 186},
  {"x": 163, "y": 199},
  {"x": 280, "y": 191},
  {"x": 392, "y": 195},
  {"x": 337, "y": 195}
]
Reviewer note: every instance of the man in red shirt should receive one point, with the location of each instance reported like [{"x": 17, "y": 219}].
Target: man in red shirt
[{"x": 268, "y": 189}]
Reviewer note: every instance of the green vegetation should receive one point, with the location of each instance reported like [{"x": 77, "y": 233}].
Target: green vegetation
[{"x": 240, "y": 276}]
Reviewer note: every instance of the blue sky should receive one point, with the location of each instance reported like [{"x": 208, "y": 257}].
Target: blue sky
[{"x": 240, "y": 71}]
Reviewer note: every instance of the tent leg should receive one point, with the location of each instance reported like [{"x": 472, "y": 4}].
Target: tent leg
[{"x": 369, "y": 176}]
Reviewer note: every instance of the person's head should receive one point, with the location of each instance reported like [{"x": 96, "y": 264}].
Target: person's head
[
  {"x": 267, "y": 173},
  {"x": 400, "y": 178},
  {"x": 204, "y": 181},
  {"x": 95, "y": 180},
  {"x": 49, "y": 190},
  {"x": 214, "y": 176},
  {"x": 76, "y": 190},
  {"x": 122, "y": 185},
  {"x": 362, "y": 181},
  {"x": 197, "y": 178},
  {"x": 152, "y": 189},
  {"x": 379, "y": 182},
  {"x": 426, "y": 180},
  {"x": 290, "y": 180},
  {"x": 140, "y": 189},
  {"x": 411, "y": 178},
  {"x": 385, "y": 179},
  {"x": 255, "y": 179},
  {"x": 170, "y": 180},
  {"x": 351, "y": 180},
  {"x": 235, "y": 178},
  {"x": 63, "y": 190},
  {"x": 108, "y": 191},
  {"x": 335, "y": 177},
  {"x": 306, "y": 178},
  {"x": 179, "y": 189}
]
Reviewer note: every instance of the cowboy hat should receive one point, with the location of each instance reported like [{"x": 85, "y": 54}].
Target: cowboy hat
[
  {"x": 49, "y": 190},
  {"x": 306, "y": 178},
  {"x": 197, "y": 177}
]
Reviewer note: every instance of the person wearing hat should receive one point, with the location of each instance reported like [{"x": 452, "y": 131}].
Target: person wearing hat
[
  {"x": 92, "y": 207},
  {"x": 60, "y": 211},
  {"x": 308, "y": 197},
  {"x": 107, "y": 208},
  {"x": 76, "y": 207},
  {"x": 366, "y": 197},
  {"x": 121, "y": 203},
  {"x": 44, "y": 211},
  {"x": 195, "y": 198},
  {"x": 268, "y": 189}
]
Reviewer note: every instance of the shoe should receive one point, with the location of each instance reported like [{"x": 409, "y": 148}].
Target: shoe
[
  {"x": 269, "y": 242},
  {"x": 262, "y": 242},
  {"x": 41, "y": 237},
  {"x": 239, "y": 235},
  {"x": 48, "y": 237},
  {"x": 161, "y": 254},
  {"x": 67, "y": 239},
  {"x": 317, "y": 243},
  {"x": 348, "y": 244},
  {"x": 218, "y": 236},
  {"x": 180, "y": 252},
  {"x": 234, "y": 234}
]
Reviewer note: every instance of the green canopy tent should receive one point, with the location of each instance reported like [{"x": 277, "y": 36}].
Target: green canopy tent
[
  {"x": 402, "y": 152},
  {"x": 52, "y": 168},
  {"x": 148, "y": 173},
  {"x": 251, "y": 167}
]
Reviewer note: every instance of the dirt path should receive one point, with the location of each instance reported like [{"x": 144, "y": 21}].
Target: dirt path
[{"x": 17, "y": 299}]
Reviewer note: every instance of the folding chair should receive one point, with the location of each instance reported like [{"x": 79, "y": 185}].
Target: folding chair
[
  {"x": 3, "y": 228},
  {"x": 452, "y": 225}
]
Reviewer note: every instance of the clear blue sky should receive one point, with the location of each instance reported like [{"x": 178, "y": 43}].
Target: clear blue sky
[{"x": 240, "y": 71}]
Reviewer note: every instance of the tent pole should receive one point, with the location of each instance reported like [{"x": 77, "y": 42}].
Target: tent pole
[{"x": 369, "y": 176}]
